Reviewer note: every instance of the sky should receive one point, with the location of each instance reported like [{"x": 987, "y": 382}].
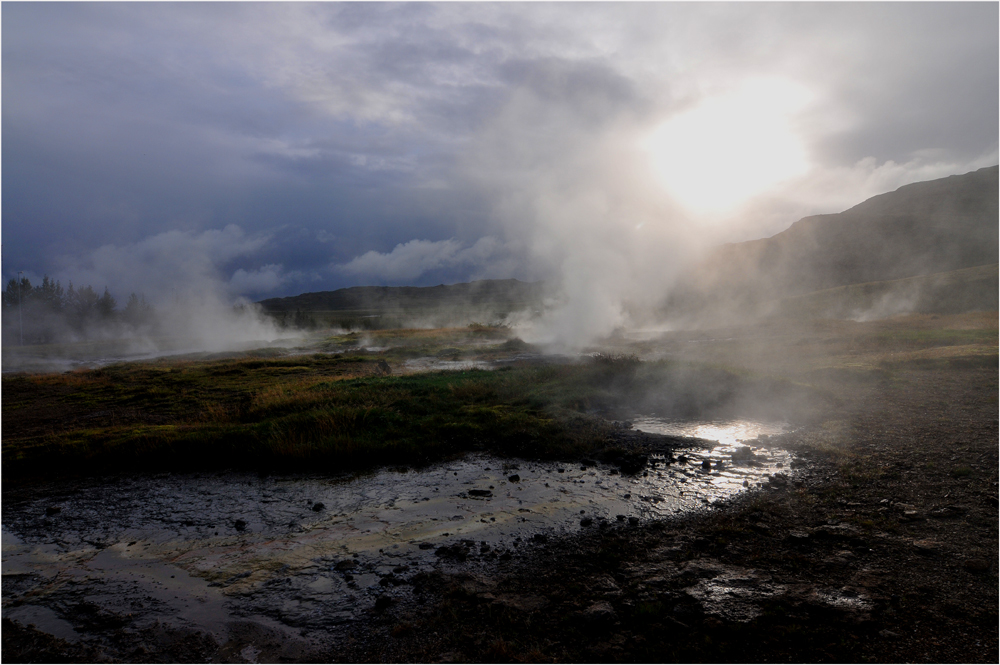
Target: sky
[{"x": 264, "y": 150}]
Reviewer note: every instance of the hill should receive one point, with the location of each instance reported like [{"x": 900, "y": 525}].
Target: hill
[
  {"x": 488, "y": 300},
  {"x": 926, "y": 228}
]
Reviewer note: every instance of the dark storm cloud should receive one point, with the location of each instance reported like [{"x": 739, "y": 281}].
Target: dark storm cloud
[{"x": 388, "y": 143}]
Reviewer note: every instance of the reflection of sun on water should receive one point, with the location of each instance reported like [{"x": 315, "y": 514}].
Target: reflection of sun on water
[
  {"x": 731, "y": 147},
  {"x": 727, "y": 432}
]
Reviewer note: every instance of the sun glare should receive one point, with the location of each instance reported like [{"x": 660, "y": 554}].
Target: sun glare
[{"x": 731, "y": 147}]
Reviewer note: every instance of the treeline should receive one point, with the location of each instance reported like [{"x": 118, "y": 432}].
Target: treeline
[{"x": 47, "y": 313}]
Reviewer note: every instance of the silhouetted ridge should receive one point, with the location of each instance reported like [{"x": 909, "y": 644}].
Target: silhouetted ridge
[
  {"x": 507, "y": 294},
  {"x": 923, "y": 228}
]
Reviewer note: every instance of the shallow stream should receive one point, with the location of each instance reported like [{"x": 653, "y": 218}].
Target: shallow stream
[{"x": 310, "y": 552}]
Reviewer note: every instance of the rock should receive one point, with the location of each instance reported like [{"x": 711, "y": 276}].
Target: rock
[
  {"x": 390, "y": 580},
  {"x": 599, "y": 613},
  {"x": 976, "y": 565},
  {"x": 456, "y": 551},
  {"x": 586, "y": 521},
  {"x": 345, "y": 565},
  {"x": 633, "y": 520},
  {"x": 239, "y": 576},
  {"x": 620, "y": 518},
  {"x": 318, "y": 507},
  {"x": 538, "y": 538},
  {"x": 889, "y": 635},
  {"x": 515, "y": 478},
  {"x": 240, "y": 525},
  {"x": 743, "y": 454},
  {"x": 948, "y": 512},
  {"x": 927, "y": 546},
  {"x": 779, "y": 480},
  {"x": 627, "y": 462},
  {"x": 706, "y": 464},
  {"x": 426, "y": 546},
  {"x": 52, "y": 510},
  {"x": 382, "y": 603},
  {"x": 383, "y": 369},
  {"x": 482, "y": 493}
]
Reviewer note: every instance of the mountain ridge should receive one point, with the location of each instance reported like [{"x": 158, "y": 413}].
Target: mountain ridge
[{"x": 923, "y": 228}]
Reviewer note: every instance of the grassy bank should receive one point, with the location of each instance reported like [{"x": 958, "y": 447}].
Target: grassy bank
[{"x": 335, "y": 411}]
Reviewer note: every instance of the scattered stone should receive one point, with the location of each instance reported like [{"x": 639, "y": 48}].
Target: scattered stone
[
  {"x": 426, "y": 546},
  {"x": 586, "y": 521},
  {"x": 459, "y": 551},
  {"x": 514, "y": 478},
  {"x": 482, "y": 493},
  {"x": 633, "y": 520},
  {"x": 345, "y": 565},
  {"x": 318, "y": 507},
  {"x": 743, "y": 454},
  {"x": 538, "y": 538},
  {"x": 620, "y": 518},
  {"x": 889, "y": 635},
  {"x": 706, "y": 464},
  {"x": 240, "y": 525}
]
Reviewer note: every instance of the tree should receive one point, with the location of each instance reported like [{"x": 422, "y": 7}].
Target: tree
[
  {"x": 137, "y": 311},
  {"x": 105, "y": 305}
]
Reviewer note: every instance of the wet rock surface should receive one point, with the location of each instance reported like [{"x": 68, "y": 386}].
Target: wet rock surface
[
  {"x": 303, "y": 559},
  {"x": 832, "y": 562}
]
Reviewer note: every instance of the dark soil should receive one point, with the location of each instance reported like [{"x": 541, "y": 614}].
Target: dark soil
[
  {"x": 889, "y": 554},
  {"x": 884, "y": 549}
]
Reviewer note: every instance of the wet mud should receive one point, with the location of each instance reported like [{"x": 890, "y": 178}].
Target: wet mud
[{"x": 300, "y": 558}]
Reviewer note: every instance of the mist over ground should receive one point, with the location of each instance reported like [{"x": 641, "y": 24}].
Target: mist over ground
[{"x": 253, "y": 151}]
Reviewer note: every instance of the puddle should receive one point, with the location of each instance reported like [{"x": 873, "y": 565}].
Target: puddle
[
  {"x": 728, "y": 432},
  {"x": 311, "y": 552},
  {"x": 428, "y": 364}
]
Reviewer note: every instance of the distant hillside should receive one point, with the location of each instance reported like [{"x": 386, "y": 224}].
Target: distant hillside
[
  {"x": 920, "y": 229},
  {"x": 447, "y": 304}
]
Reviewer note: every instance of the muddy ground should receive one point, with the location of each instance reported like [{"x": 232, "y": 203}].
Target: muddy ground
[{"x": 885, "y": 550}]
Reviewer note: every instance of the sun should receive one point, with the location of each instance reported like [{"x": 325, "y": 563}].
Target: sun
[{"x": 731, "y": 147}]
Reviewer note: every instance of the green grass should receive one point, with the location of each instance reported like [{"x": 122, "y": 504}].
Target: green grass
[{"x": 329, "y": 412}]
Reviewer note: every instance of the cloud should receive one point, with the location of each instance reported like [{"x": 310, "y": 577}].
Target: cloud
[
  {"x": 175, "y": 262},
  {"x": 263, "y": 280},
  {"x": 408, "y": 261},
  {"x": 333, "y": 132}
]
